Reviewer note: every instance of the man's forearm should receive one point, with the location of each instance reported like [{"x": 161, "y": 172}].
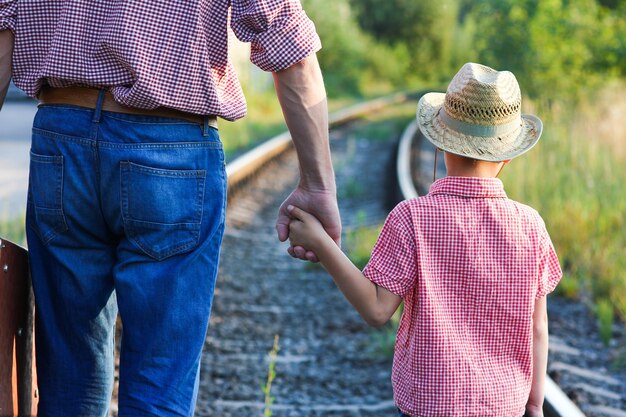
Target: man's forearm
[
  {"x": 6, "y": 53},
  {"x": 302, "y": 96}
]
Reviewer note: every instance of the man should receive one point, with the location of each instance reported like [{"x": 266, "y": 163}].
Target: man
[{"x": 127, "y": 186}]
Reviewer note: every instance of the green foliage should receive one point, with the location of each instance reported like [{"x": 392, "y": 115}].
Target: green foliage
[
  {"x": 353, "y": 62},
  {"x": 264, "y": 120},
  {"x": 575, "y": 179},
  {"x": 555, "y": 48},
  {"x": 414, "y": 26},
  {"x": 359, "y": 243},
  {"x": 604, "y": 312},
  {"x": 271, "y": 375},
  {"x": 559, "y": 48}
]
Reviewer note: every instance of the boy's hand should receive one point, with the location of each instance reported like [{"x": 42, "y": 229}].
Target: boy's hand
[
  {"x": 305, "y": 230},
  {"x": 533, "y": 411},
  {"x": 323, "y": 205}
]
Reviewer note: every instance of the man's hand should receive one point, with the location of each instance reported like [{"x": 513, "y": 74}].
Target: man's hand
[
  {"x": 322, "y": 205},
  {"x": 306, "y": 230}
]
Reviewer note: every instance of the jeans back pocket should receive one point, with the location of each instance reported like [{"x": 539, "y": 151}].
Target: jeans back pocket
[
  {"x": 45, "y": 196},
  {"x": 161, "y": 208}
]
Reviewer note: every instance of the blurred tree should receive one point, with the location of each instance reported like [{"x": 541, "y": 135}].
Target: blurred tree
[
  {"x": 609, "y": 42},
  {"x": 613, "y": 4},
  {"x": 353, "y": 62},
  {"x": 417, "y": 26},
  {"x": 555, "y": 47},
  {"x": 503, "y": 33}
]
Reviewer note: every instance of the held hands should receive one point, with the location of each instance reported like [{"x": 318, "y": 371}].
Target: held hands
[
  {"x": 306, "y": 231},
  {"x": 317, "y": 205}
]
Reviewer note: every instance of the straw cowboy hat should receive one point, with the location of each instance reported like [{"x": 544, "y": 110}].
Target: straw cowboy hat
[{"x": 479, "y": 116}]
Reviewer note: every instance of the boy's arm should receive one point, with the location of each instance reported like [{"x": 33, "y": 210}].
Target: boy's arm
[
  {"x": 540, "y": 358},
  {"x": 6, "y": 52},
  {"x": 375, "y": 304}
]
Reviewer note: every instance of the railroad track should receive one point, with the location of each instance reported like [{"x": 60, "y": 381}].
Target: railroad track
[
  {"x": 410, "y": 154},
  {"x": 323, "y": 342},
  {"x": 557, "y": 403},
  {"x": 326, "y": 365},
  {"x": 261, "y": 292}
]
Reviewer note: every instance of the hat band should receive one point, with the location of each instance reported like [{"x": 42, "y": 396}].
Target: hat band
[{"x": 478, "y": 130}]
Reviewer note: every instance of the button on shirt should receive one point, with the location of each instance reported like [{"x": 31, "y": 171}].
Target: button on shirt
[
  {"x": 154, "y": 53},
  {"x": 469, "y": 264}
]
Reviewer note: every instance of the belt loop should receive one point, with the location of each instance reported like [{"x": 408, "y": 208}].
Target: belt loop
[
  {"x": 205, "y": 126},
  {"x": 98, "y": 110}
]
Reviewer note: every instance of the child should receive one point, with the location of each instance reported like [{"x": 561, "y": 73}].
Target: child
[{"x": 472, "y": 267}]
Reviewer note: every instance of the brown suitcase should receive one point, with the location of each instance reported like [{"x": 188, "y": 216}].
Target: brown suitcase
[{"x": 18, "y": 380}]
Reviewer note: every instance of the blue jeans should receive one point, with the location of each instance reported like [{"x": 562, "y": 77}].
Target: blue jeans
[{"x": 124, "y": 212}]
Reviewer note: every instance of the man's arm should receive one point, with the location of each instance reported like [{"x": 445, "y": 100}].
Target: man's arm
[
  {"x": 302, "y": 96},
  {"x": 6, "y": 53},
  {"x": 540, "y": 359},
  {"x": 375, "y": 304}
]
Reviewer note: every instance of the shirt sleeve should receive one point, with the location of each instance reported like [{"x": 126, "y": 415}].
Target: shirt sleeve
[
  {"x": 549, "y": 269},
  {"x": 8, "y": 14},
  {"x": 280, "y": 32},
  {"x": 393, "y": 264}
]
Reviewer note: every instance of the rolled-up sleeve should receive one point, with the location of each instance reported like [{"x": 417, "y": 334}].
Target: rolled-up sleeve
[
  {"x": 279, "y": 31},
  {"x": 549, "y": 269},
  {"x": 394, "y": 264},
  {"x": 8, "y": 14}
]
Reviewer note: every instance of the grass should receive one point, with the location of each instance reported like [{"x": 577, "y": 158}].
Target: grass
[
  {"x": 604, "y": 312},
  {"x": 264, "y": 120},
  {"x": 387, "y": 124},
  {"x": 271, "y": 375},
  {"x": 575, "y": 179},
  {"x": 359, "y": 243}
]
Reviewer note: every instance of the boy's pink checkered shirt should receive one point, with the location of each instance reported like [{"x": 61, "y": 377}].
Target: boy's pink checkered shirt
[
  {"x": 154, "y": 53},
  {"x": 469, "y": 263}
]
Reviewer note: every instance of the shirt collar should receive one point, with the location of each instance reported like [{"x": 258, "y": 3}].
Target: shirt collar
[{"x": 470, "y": 187}]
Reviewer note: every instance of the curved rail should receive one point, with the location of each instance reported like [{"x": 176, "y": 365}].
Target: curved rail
[{"x": 557, "y": 404}]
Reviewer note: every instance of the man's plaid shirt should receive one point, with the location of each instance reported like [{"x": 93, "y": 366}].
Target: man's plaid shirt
[{"x": 154, "y": 53}]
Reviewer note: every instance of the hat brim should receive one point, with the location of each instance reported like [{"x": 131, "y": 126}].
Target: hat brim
[{"x": 485, "y": 148}]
